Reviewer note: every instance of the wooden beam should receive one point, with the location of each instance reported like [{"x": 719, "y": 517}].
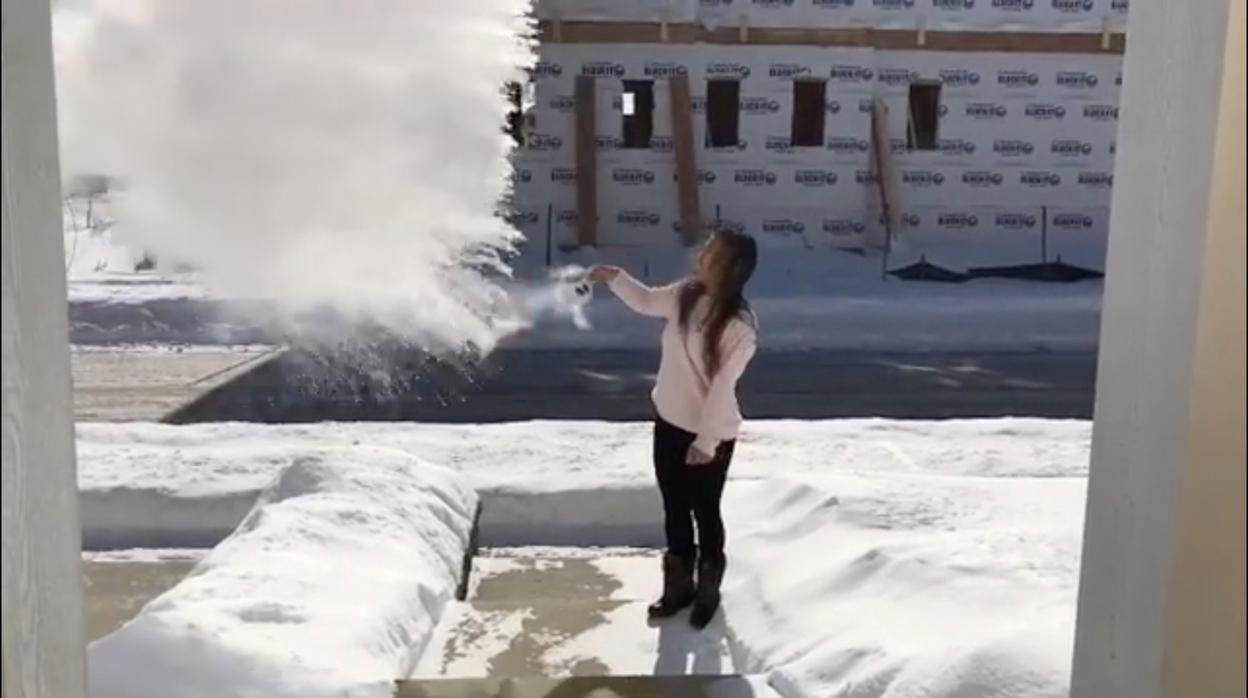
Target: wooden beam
[
  {"x": 586, "y": 163},
  {"x": 42, "y": 630},
  {"x": 686, "y": 165},
  {"x": 585, "y": 32}
]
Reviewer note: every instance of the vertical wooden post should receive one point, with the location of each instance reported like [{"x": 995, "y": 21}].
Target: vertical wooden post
[
  {"x": 586, "y": 163},
  {"x": 686, "y": 165},
  {"x": 43, "y": 624}
]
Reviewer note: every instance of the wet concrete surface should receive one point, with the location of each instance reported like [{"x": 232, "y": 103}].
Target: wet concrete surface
[{"x": 115, "y": 591}]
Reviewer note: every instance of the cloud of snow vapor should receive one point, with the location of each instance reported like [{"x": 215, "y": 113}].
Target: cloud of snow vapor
[{"x": 328, "y": 155}]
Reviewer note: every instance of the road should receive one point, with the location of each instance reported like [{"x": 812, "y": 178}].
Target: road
[{"x": 520, "y": 384}]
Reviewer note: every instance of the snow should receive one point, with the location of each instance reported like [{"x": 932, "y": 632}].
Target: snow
[
  {"x": 908, "y": 585},
  {"x": 868, "y": 557},
  {"x": 330, "y": 586}
]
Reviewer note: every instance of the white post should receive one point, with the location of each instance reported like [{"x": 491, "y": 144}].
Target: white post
[
  {"x": 42, "y": 582},
  {"x": 1161, "y": 599}
]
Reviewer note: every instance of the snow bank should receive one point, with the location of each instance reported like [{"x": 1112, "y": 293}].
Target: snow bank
[
  {"x": 906, "y": 586},
  {"x": 178, "y": 486},
  {"x": 330, "y": 586}
]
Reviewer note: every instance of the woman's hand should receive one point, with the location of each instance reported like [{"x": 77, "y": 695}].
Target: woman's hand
[
  {"x": 600, "y": 274},
  {"x": 695, "y": 456}
]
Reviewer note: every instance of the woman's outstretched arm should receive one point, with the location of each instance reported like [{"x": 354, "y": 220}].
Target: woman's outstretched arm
[{"x": 657, "y": 301}]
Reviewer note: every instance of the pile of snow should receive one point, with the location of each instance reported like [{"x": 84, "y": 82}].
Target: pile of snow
[
  {"x": 898, "y": 585},
  {"x": 330, "y": 586}
]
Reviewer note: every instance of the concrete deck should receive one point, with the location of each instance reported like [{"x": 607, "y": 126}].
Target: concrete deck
[
  {"x": 114, "y": 385},
  {"x": 115, "y": 591},
  {"x": 538, "y": 614}
]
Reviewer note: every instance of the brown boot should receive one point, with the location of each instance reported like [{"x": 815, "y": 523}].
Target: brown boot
[
  {"x": 706, "y": 599},
  {"x": 678, "y": 588}
]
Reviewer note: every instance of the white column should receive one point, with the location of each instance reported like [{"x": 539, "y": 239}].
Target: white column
[
  {"x": 42, "y": 583},
  {"x": 1161, "y": 599}
]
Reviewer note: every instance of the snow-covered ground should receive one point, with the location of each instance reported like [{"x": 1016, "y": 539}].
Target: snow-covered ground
[
  {"x": 868, "y": 557},
  {"x": 805, "y": 299}
]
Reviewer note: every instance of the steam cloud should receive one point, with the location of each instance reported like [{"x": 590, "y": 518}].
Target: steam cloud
[{"x": 322, "y": 154}]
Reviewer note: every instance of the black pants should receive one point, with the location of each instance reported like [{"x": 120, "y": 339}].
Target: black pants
[{"x": 690, "y": 492}]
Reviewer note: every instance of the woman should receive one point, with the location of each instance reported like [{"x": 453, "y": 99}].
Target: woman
[{"x": 709, "y": 338}]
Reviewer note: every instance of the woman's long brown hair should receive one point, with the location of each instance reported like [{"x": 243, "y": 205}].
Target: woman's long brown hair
[{"x": 729, "y": 300}]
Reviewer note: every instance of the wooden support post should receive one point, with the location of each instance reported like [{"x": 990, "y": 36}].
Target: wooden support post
[
  {"x": 586, "y": 163},
  {"x": 42, "y": 629},
  {"x": 686, "y": 165}
]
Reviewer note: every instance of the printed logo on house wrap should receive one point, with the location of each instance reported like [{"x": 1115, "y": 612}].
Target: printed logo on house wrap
[
  {"x": 759, "y": 105},
  {"x": 982, "y": 179},
  {"x": 833, "y": 4},
  {"x": 521, "y": 176},
  {"x": 865, "y": 105},
  {"x": 728, "y": 224},
  {"x": 1113, "y": 147},
  {"x": 958, "y": 77},
  {"x": 1017, "y": 79},
  {"x": 543, "y": 142},
  {"x": 897, "y": 76},
  {"x": 850, "y": 73},
  {"x": 1013, "y": 5},
  {"x": 563, "y": 175},
  {"x": 843, "y": 226},
  {"x": 608, "y": 143},
  {"x": 832, "y": 106},
  {"x": 1118, "y": 79},
  {"x": 909, "y": 220},
  {"x": 603, "y": 69},
  {"x": 847, "y": 145},
  {"x": 697, "y": 105},
  {"x": 520, "y": 219},
  {"x": 772, "y": 4},
  {"x": 788, "y": 70},
  {"x": 754, "y": 177},
  {"x": 1015, "y": 221},
  {"x": 564, "y": 104},
  {"x": 714, "y": 3},
  {"x": 567, "y": 216},
  {"x": 986, "y": 110},
  {"x": 898, "y": 145},
  {"x": 632, "y": 176},
  {"x": 955, "y": 147},
  {"x": 1095, "y": 180},
  {"x": 814, "y": 178},
  {"x": 865, "y": 177},
  {"x": 1044, "y": 111},
  {"x": 1070, "y": 148},
  {"x": 1073, "y": 6},
  {"x": 957, "y": 220},
  {"x": 721, "y": 71},
  {"x": 778, "y": 144},
  {"x": 638, "y": 218},
  {"x": 1119, "y": 5},
  {"x": 661, "y": 144},
  {"x": 1100, "y": 112},
  {"x": 1076, "y": 79},
  {"x": 701, "y": 176},
  {"x": 1040, "y": 179},
  {"x": 1071, "y": 221},
  {"x": 954, "y": 5},
  {"x": 923, "y": 178},
  {"x": 665, "y": 69},
  {"x": 1012, "y": 148},
  {"x": 783, "y": 226},
  {"x": 892, "y": 5},
  {"x": 546, "y": 69}
]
